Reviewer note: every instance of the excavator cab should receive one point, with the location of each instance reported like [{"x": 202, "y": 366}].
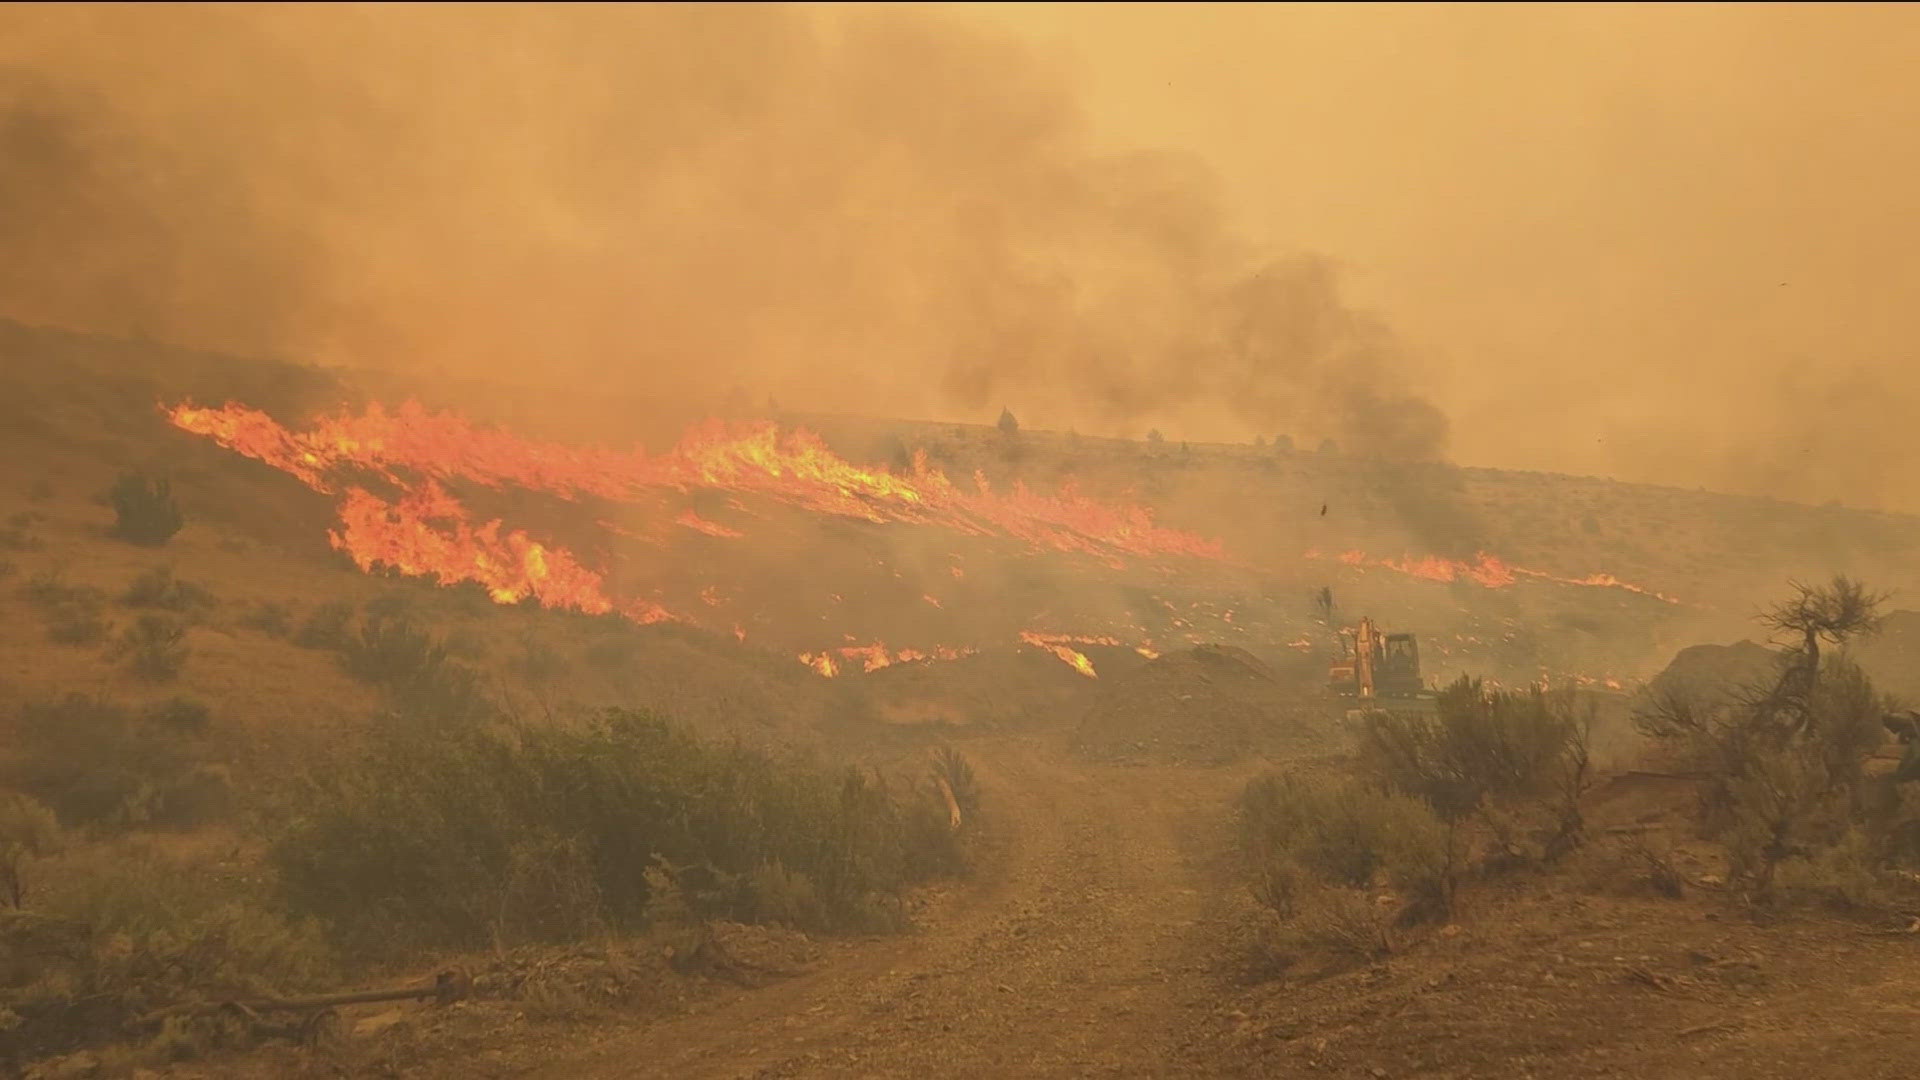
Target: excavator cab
[
  {"x": 1378, "y": 668},
  {"x": 1398, "y": 672}
]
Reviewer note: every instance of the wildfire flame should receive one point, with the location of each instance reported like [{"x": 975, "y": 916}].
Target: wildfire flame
[
  {"x": 874, "y": 657},
  {"x": 426, "y": 531},
  {"x": 1486, "y": 569},
  {"x": 694, "y": 521},
  {"x": 1061, "y": 645},
  {"x": 419, "y": 459},
  {"x": 754, "y": 458}
]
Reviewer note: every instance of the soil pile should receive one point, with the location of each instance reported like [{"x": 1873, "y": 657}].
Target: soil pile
[
  {"x": 1890, "y": 657},
  {"x": 1710, "y": 673},
  {"x": 1202, "y": 706}
]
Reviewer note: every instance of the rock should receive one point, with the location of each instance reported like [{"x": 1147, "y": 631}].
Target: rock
[{"x": 369, "y": 1026}]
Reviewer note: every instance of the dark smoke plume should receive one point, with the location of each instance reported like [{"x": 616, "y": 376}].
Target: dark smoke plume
[{"x": 878, "y": 210}]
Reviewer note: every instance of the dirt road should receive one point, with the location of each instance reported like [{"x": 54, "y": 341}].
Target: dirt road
[{"x": 1088, "y": 948}]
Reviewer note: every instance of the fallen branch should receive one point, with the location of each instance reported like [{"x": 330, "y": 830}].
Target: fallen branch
[{"x": 446, "y": 988}]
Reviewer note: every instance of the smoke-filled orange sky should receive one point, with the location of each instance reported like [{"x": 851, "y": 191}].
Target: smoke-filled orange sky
[
  {"x": 1663, "y": 243},
  {"x": 1668, "y": 242}
]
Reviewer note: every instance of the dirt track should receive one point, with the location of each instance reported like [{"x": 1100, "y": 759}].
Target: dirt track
[
  {"x": 1087, "y": 949},
  {"x": 1097, "y": 941}
]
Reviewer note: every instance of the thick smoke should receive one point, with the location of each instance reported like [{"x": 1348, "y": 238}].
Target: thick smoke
[{"x": 875, "y": 210}]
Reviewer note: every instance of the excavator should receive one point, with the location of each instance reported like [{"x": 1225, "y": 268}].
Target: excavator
[{"x": 1379, "y": 671}]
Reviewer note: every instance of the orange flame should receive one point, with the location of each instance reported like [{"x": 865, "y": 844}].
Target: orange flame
[
  {"x": 1486, "y": 569},
  {"x": 1057, "y": 645},
  {"x": 875, "y": 656},
  {"x": 426, "y": 531},
  {"x": 747, "y": 458},
  {"x": 694, "y": 521}
]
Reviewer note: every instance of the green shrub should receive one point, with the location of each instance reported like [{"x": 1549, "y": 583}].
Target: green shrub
[
  {"x": 144, "y": 509},
  {"x": 77, "y": 622},
  {"x": 15, "y": 538},
  {"x": 157, "y": 587},
  {"x": 28, "y": 831},
  {"x": 1517, "y": 760},
  {"x": 1788, "y": 791},
  {"x": 415, "y": 668},
  {"x": 1341, "y": 922},
  {"x": 329, "y": 626},
  {"x": 539, "y": 663},
  {"x": 97, "y": 762},
  {"x": 180, "y": 714},
  {"x": 270, "y": 618},
  {"x": 951, "y": 769},
  {"x": 1347, "y": 834},
  {"x": 49, "y": 587},
  {"x": 1322, "y": 851},
  {"x": 392, "y": 604},
  {"x": 1482, "y": 744},
  {"x": 154, "y": 647},
  {"x": 450, "y": 840},
  {"x": 121, "y": 933}
]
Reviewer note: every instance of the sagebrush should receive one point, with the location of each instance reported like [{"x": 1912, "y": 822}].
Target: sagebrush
[
  {"x": 144, "y": 509},
  {"x": 1515, "y": 761},
  {"x": 1788, "y": 790},
  {"x": 1320, "y": 849},
  {"x": 473, "y": 837}
]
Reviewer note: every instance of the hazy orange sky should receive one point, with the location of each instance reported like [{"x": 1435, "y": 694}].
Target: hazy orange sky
[
  {"x": 1664, "y": 243},
  {"x": 1614, "y": 236}
]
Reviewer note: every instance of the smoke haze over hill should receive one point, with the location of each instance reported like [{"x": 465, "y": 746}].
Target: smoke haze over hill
[
  {"x": 1667, "y": 245},
  {"x": 886, "y": 211}
]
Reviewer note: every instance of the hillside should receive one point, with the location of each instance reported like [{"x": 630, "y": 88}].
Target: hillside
[
  {"x": 79, "y": 408},
  {"x": 243, "y": 738}
]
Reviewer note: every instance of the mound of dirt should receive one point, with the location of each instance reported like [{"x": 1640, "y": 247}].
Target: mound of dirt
[
  {"x": 1206, "y": 705},
  {"x": 1890, "y": 657},
  {"x": 1712, "y": 672}
]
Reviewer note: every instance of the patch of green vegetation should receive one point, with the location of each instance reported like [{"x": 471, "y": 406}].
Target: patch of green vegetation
[
  {"x": 328, "y": 626},
  {"x": 1341, "y": 864},
  {"x": 99, "y": 763},
  {"x": 157, "y": 587},
  {"x": 1515, "y": 761},
  {"x": 154, "y": 647},
  {"x": 270, "y": 618},
  {"x": 121, "y": 943},
  {"x": 480, "y": 837},
  {"x": 1789, "y": 794},
  {"x": 415, "y": 668},
  {"x": 78, "y": 622},
  {"x": 144, "y": 509},
  {"x": 51, "y": 587}
]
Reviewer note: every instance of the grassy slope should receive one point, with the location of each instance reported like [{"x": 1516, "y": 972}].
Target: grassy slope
[{"x": 74, "y": 409}]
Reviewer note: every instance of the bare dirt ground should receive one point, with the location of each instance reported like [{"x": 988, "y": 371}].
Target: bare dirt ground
[
  {"x": 1105, "y": 935},
  {"x": 1105, "y": 932},
  {"x": 1086, "y": 948}
]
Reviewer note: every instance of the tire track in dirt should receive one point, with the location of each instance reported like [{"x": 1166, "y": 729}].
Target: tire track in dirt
[{"x": 1089, "y": 948}]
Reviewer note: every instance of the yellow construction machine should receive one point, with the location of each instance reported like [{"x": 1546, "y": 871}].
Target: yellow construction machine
[{"x": 1379, "y": 671}]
